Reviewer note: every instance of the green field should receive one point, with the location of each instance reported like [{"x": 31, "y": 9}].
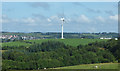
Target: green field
[
  {"x": 17, "y": 43},
  {"x": 72, "y": 42},
  {"x": 92, "y": 66},
  {"x": 83, "y": 66}
]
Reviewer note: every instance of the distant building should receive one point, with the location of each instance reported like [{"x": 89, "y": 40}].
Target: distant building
[
  {"x": 105, "y": 38},
  {"x": 101, "y": 38},
  {"x": 116, "y": 38}
]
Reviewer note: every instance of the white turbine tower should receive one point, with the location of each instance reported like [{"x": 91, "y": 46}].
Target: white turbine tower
[{"x": 62, "y": 19}]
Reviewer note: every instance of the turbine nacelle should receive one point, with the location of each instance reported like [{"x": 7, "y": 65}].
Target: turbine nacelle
[{"x": 62, "y": 19}]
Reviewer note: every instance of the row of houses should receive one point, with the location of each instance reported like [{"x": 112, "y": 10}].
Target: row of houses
[
  {"x": 16, "y": 37},
  {"x": 8, "y": 36}
]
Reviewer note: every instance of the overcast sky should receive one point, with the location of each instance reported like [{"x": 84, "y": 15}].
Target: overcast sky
[{"x": 45, "y": 16}]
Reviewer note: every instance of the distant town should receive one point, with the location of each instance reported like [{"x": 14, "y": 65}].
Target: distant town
[{"x": 13, "y": 36}]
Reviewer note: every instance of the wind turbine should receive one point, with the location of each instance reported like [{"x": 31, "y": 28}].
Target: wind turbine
[{"x": 62, "y": 19}]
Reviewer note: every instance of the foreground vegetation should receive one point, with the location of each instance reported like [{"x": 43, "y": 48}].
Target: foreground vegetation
[{"x": 51, "y": 53}]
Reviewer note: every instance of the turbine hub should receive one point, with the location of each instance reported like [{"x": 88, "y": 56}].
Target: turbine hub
[{"x": 62, "y": 19}]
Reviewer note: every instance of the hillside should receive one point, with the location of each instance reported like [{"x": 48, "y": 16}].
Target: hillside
[{"x": 53, "y": 53}]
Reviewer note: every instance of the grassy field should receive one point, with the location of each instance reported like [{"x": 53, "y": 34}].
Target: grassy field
[
  {"x": 92, "y": 66},
  {"x": 17, "y": 43},
  {"x": 72, "y": 42},
  {"x": 85, "y": 67}
]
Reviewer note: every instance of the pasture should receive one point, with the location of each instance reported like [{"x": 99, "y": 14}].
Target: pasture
[
  {"x": 92, "y": 66},
  {"x": 71, "y": 42},
  {"x": 16, "y": 43},
  {"x": 83, "y": 67}
]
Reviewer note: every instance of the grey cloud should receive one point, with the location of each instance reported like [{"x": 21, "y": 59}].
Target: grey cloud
[
  {"x": 109, "y": 12},
  {"x": 92, "y": 10},
  {"x": 43, "y": 5},
  {"x": 87, "y": 8},
  {"x": 39, "y": 16},
  {"x": 79, "y": 4}
]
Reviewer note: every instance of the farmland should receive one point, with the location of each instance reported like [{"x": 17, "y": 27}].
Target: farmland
[
  {"x": 16, "y": 43},
  {"x": 92, "y": 66},
  {"x": 71, "y": 42},
  {"x": 85, "y": 67}
]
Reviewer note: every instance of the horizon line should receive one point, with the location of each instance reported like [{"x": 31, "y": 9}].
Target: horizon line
[{"x": 53, "y": 32}]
